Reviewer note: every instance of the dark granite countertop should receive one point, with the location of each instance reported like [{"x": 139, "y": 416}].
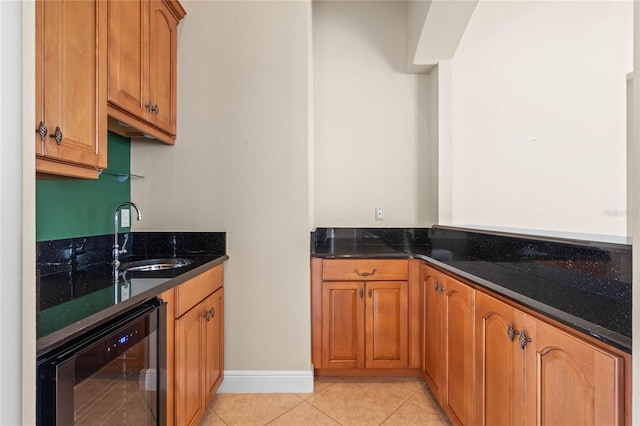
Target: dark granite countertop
[
  {"x": 583, "y": 284},
  {"x": 79, "y": 293}
]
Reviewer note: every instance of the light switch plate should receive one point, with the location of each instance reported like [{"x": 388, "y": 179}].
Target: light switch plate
[{"x": 125, "y": 218}]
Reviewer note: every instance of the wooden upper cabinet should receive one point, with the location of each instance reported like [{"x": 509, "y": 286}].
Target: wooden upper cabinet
[
  {"x": 163, "y": 46},
  {"x": 71, "y": 57},
  {"x": 142, "y": 67},
  {"x": 570, "y": 381}
]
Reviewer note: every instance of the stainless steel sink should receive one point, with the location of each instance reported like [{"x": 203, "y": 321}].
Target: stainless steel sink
[{"x": 155, "y": 264}]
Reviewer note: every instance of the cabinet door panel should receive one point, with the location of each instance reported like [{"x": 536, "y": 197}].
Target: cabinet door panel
[
  {"x": 189, "y": 367},
  {"x": 343, "y": 325},
  {"x": 499, "y": 363},
  {"x": 432, "y": 331},
  {"x": 570, "y": 381},
  {"x": 162, "y": 66},
  {"x": 127, "y": 44},
  {"x": 71, "y": 82},
  {"x": 386, "y": 324},
  {"x": 213, "y": 343},
  {"x": 458, "y": 341}
]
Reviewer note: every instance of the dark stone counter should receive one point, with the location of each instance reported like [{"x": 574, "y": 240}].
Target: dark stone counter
[
  {"x": 585, "y": 285},
  {"x": 78, "y": 288}
]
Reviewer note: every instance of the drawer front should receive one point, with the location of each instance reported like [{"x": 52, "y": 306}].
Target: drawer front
[
  {"x": 196, "y": 289},
  {"x": 365, "y": 269}
]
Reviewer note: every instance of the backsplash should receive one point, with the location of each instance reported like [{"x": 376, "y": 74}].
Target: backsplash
[{"x": 68, "y": 208}]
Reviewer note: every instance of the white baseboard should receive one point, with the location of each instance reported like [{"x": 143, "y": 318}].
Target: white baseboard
[{"x": 267, "y": 381}]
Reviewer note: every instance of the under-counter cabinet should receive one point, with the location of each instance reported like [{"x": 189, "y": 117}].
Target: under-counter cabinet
[
  {"x": 448, "y": 343},
  {"x": 142, "y": 64},
  {"x": 531, "y": 372},
  {"x": 195, "y": 342},
  {"x": 360, "y": 318},
  {"x": 71, "y": 107}
]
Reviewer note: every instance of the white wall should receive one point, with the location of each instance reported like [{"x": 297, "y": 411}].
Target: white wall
[
  {"x": 538, "y": 115},
  {"x": 240, "y": 165},
  {"x": 370, "y": 117},
  {"x": 17, "y": 213}
]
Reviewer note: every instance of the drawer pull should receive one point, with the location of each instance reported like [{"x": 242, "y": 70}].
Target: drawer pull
[
  {"x": 365, "y": 274},
  {"x": 361, "y": 293}
]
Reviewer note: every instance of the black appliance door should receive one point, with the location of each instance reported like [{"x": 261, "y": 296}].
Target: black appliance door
[{"x": 111, "y": 376}]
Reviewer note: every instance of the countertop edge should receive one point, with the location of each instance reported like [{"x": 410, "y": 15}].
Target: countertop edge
[{"x": 58, "y": 338}]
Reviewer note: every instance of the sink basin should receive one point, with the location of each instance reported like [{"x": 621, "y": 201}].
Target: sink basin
[{"x": 156, "y": 264}]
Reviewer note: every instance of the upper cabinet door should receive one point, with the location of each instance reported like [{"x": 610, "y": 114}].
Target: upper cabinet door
[
  {"x": 142, "y": 63},
  {"x": 71, "y": 87},
  {"x": 162, "y": 67},
  {"x": 128, "y": 55}
]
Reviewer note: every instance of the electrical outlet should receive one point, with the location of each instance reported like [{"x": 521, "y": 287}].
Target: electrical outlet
[
  {"x": 125, "y": 218},
  {"x": 379, "y": 213}
]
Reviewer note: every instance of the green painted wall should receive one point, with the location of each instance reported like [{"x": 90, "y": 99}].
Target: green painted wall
[{"x": 69, "y": 208}]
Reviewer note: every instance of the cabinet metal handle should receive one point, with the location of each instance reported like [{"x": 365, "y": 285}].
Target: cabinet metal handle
[
  {"x": 42, "y": 130},
  {"x": 209, "y": 314},
  {"x": 523, "y": 339},
  {"x": 156, "y": 109},
  {"x": 370, "y": 293},
  {"x": 511, "y": 332},
  {"x": 57, "y": 135},
  {"x": 361, "y": 293},
  {"x": 365, "y": 274},
  {"x": 436, "y": 286}
]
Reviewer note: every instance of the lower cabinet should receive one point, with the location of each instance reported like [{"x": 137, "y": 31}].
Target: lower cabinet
[
  {"x": 530, "y": 372},
  {"x": 448, "y": 343},
  {"x": 364, "y": 324},
  {"x": 361, "y": 317},
  {"x": 195, "y": 359}
]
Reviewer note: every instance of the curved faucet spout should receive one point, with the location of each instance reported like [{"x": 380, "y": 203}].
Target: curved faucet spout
[{"x": 116, "y": 247}]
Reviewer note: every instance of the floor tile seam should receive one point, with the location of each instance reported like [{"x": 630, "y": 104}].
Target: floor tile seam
[
  {"x": 439, "y": 411},
  {"x": 311, "y": 405},
  {"x": 394, "y": 411},
  {"x": 302, "y": 401}
]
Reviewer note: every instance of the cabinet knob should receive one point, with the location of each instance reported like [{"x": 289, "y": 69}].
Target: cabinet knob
[
  {"x": 365, "y": 274},
  {"x": 57, "y": 135},
  {"x": 156, "y": 109},
  {"x": 523, "y": 339},
  {"x": 152, "y": 108},
  {"x": 370, "y": 293},
  {"x": 42, "y": 130},
  {"x": 511, "y": 332},
  {"x": 361, "y": 293}
]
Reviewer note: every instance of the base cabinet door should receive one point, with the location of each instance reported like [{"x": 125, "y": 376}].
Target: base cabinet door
[
  {"x": 213, "y": 344},
  {"x": 343, "y": 324},
  {"x": 365, "y": 324},
  {"x": 190, "y": 401},
  {"x": 500, "y": 391},
  {"x": 570, "y": 381},
  {"x": 386, "y": 324},
  {"x": 432, "y": 330},
  {"x": 457, "y": 397}
]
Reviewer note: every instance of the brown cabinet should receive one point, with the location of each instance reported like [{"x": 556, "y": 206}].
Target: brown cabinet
[
  {"x": 448, "y": 343},
  {"x": 531, "y": 372},
  {"x": 195, "y": 342},
  {"x": 142, "y": 64},
  {"x": 360, "y": 314},
  {"x": 365, "y": 324},
  {"x": 71, "y": 116}
]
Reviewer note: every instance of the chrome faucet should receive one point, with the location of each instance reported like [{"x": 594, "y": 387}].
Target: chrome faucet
[{"x": 116, "y": 247}]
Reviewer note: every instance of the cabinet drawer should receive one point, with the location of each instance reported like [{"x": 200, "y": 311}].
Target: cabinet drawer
[
  {"x": 196, "y": 289},
  {"x": 365, "y": 269}
]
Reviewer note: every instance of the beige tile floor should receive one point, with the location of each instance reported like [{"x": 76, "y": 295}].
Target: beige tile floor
[{"x": 347, "y": 401}]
